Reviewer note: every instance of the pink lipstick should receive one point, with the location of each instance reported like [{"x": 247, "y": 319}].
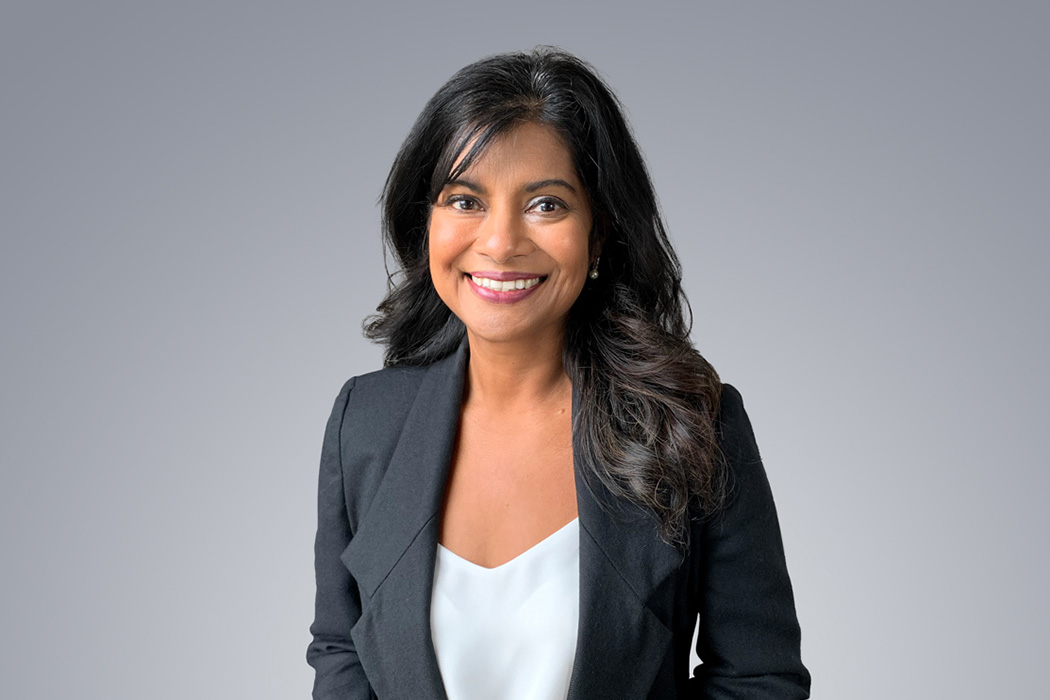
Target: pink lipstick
[{"x": 504, "y": 287}]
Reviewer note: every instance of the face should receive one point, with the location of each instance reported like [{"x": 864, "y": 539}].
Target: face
[{"x": 509, "y": 239}]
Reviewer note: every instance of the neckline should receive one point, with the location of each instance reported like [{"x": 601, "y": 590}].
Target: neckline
[{"x": 527, "y": 554}]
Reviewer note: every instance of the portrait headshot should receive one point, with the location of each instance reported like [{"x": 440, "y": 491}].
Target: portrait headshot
[
  {"x": 548, "y": 486},
  {"x": 556, "y": 351}
]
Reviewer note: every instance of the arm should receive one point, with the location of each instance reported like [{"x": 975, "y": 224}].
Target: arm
[
  {"x": 749, "y": 636},
  {"x": 337, "y": 607}
]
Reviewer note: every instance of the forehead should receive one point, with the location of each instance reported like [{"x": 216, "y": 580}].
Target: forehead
[{"x": 525, "y": 152}]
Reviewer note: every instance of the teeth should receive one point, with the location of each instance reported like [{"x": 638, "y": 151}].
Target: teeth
[{"x": 505, "y": 286}]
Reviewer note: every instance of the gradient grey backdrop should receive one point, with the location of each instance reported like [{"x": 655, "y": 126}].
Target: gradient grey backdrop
[{"x": 858, "y": 193}]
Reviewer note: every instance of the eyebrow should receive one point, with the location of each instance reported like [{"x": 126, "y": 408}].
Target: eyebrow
[
  {"x": 531, "y": 187},
  {"x": 553, "y": 182},
  {"x": 464, "y": 182}
]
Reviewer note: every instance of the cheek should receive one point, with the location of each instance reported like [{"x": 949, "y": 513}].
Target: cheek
[
  {"x": 445, "y": 242},
  {"x": 572, "y": 254},
  {"x": 575, "y": 254},
  {"x": 444, "y": 246}
]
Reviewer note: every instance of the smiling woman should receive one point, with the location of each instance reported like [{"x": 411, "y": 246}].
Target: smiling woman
[
  {"x": 547, "y": 488},
  {"x": 510, "y": 240}
]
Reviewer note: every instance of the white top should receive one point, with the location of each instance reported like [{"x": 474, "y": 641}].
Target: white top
[{"x": 508, "y": 632}]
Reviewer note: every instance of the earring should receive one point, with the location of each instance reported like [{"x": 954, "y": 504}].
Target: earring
[{"x": 594, "y": 270}]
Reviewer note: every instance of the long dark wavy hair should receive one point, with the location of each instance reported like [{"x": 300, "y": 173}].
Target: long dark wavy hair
[{"x": 646, "y": 398}]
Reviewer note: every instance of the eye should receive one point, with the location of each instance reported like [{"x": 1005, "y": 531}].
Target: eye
[
  {"x": 547, "y": 205},
  {"x": 462, "y": 202}
]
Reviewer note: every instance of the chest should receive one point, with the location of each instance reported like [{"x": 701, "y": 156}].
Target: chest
[
  {"x": 511, "y": 484},
  {"x": 398, "y": 446}
]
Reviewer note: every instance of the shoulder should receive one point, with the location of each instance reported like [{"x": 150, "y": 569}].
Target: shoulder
[
  {"x": 373, "y": 401},
  {"x": 735, "y": 434},
  {"x": 748, "y": 493},
  {"x": 391, "y": 384}
]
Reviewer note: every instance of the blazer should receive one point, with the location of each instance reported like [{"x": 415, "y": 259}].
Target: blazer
[{"x": 384, "y": 464}]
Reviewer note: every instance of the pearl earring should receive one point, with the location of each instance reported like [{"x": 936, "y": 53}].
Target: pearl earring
[{"x": 594, "y": 270}]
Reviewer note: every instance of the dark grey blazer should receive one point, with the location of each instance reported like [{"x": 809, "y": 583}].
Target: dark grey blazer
[{"x": 384, "y": 464}]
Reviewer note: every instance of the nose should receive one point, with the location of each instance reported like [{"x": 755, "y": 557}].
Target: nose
[{"x": 503, "y": 235}]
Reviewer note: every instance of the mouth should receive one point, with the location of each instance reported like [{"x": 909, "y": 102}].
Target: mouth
[{"x": 504, "y": 287}]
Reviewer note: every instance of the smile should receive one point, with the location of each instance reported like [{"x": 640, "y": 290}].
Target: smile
[{"x": 505, "y": 285}]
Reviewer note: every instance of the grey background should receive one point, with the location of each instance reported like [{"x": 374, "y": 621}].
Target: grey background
[{"x": 189, "y": 243}]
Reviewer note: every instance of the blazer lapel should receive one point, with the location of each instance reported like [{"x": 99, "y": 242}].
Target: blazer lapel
[
  {"x": 392, "y": 554},
  {"x": 621, "y": 641}
]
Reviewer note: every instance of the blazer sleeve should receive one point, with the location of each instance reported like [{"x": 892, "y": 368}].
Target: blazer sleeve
[
  {"x": 337, "y": 605},
  {"x": 749, "y": 638}
]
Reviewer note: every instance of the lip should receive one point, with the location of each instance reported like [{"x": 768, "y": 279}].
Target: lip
[
  {"x": 511, "y": 296},
  {"x": 505, "y": 276}
]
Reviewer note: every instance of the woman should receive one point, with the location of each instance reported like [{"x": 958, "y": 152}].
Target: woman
[{"x": 548, "y": 486}]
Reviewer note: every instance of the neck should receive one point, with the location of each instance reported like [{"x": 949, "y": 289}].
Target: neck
[{"x": 511, "y": 376}]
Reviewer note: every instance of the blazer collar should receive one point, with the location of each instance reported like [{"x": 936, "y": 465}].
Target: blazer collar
[{"x": 621, "y": 641}]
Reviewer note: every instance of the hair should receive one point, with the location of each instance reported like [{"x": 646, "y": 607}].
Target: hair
[{"x": 647, "y": 400}]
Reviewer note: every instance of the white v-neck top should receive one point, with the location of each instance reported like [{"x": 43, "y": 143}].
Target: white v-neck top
[{"x": 508, "y": 632}]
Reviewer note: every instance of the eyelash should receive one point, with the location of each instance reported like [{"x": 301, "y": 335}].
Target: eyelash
[
  {"x": 549, "y": 200},
  {"x": 457, "y": 198}
]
